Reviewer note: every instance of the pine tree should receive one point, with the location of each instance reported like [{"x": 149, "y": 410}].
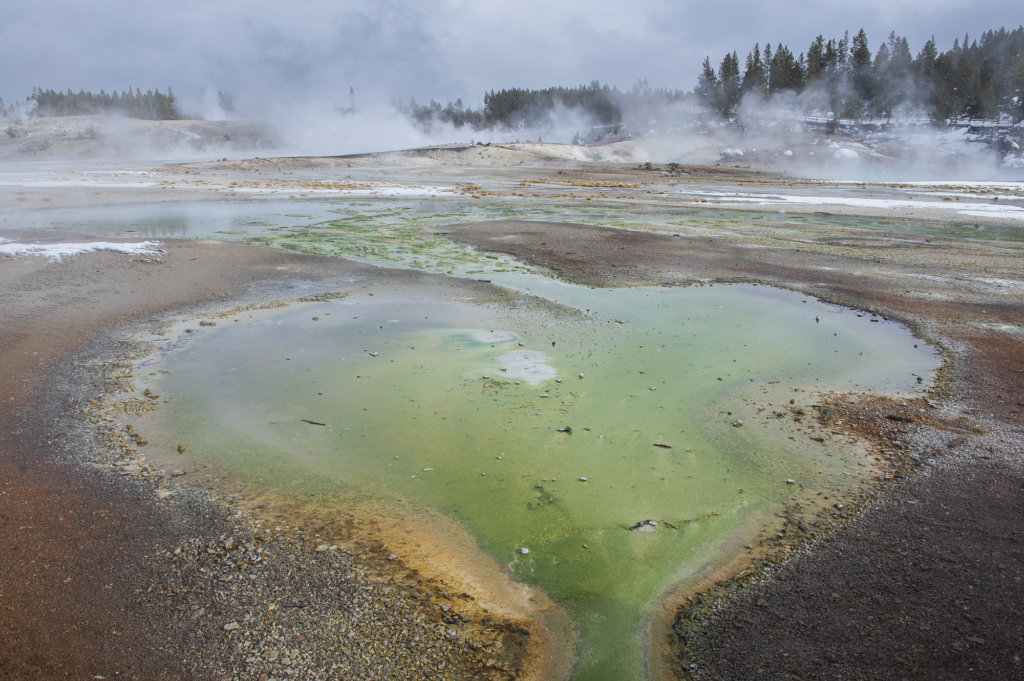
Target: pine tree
[
  {"x": 729, "y": 78},
  {"x": 883, "y": 101},
  {"x": 842, "y": 49},
  {"x": 1015, "y": 78},
  {"x": 861, "y": 70},
  {"x": 816, "y": 60},
  {"x": 967, "y": 85},
  {"x": 708, "y": 85},
  {"x": 754, "y": 73}
]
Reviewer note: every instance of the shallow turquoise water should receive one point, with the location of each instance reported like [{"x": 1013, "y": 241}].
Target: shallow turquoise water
[{"x": 433, "y": 421}]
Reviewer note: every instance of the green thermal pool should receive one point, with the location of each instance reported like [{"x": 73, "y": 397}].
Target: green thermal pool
[{"x": 438, "y": 402}]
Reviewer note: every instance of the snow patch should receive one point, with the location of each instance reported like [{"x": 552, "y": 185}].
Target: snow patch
[
  {"x": 56, "y": 252},
  {"x": 972, "y": 208}
]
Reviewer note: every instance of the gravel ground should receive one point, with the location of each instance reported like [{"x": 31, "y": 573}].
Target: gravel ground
[
  {"x": 114, "y": 568},
  {"x": 927, "y": 584},
  {"x": 241, "y": 597}
]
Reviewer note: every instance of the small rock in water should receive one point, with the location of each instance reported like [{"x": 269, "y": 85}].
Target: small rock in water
[
  {"x": 663, "y": 445},
  {"x": 316, "y": 319},
  {"x": 181, "y": 449},
  {"x": 737, "y": 423},
  {"x": 790, "y": 481},
  {"x": 558, "y": 380},
  {"x": 646, "y": 526},
  {"x": 373, "y": 354},
  {"x": 425, "y": 470},
  {"x": 566, "y": 429},
  {"x": 581, "y": 375},
  {"x": 524, "y": 551},
  {"x": 583, "y": 479},
  {"x": 652, "y": 388},
  {"x": 189, "y": 330},
  {"x": 543, "y": 395},
  {"x": 587, "y": 428},
  {"x": 142, "y": 442}
]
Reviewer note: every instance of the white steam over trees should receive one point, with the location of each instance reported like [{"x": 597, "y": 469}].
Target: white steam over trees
[
  {"x": 153, "y": 105},
  {"x": 604, "y": 108},
  {"x": 980, "y": 79}
]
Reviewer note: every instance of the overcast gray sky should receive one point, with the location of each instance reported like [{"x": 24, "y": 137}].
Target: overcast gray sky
[{"x": 315, "y": 50}]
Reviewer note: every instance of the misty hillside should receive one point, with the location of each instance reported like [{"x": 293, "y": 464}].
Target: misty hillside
[
  {"x": 966, "y": 102},
  {"x": 120, "y": 137}
]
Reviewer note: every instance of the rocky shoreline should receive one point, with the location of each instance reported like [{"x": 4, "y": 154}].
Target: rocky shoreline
[
  {"x": 119, "y": 568},
  {"x": 245, "y": 596}
]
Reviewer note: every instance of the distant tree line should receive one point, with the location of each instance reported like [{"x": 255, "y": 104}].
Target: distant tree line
[
  {"x": 153, "y": 105},
  {"x": 980, "y": 79},
  {"x": 518, "y": 109}
]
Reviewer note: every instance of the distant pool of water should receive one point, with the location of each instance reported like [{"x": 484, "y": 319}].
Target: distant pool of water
[
  {"x": 436, "y": 402},
  {"x": 260, "y": 218}
]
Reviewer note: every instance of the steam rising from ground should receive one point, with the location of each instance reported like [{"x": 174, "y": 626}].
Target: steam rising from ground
[{"x": 777, "y": 135}]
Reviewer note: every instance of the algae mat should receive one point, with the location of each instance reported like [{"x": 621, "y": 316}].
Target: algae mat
[{"x": 437, "y": 402}]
